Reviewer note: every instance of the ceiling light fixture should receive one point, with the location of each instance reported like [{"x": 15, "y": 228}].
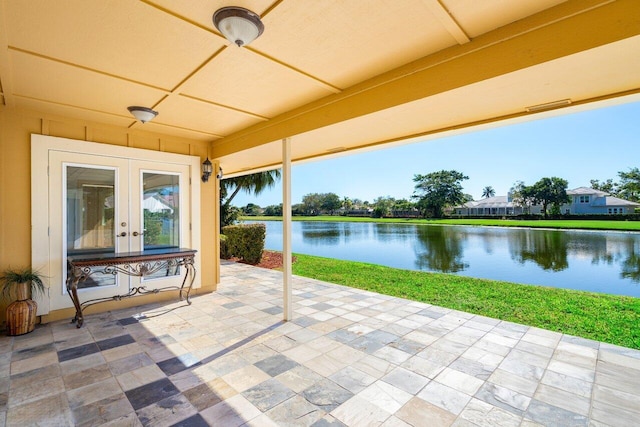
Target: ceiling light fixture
[
  {"x": 548, "y": 106},
  {"x": 143, "y": 114},
  {"x": 238, "y": 25}
]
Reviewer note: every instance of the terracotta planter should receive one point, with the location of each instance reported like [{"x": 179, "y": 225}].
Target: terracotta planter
[{"x": 21, "y": 314}]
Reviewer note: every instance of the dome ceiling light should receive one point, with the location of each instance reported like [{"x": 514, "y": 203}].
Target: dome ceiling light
[
  {"x": 143, "y": 114},
  {"x": 238, "y": 25}
]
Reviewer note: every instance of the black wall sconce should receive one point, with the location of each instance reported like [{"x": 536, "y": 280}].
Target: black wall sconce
[{"x": 207, "y": 170}]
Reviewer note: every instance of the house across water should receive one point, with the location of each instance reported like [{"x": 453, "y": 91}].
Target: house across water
[{"x": 584, "y": 201}]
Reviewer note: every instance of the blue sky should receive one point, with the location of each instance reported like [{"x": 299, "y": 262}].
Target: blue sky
[{"x": 578, "y": 147}]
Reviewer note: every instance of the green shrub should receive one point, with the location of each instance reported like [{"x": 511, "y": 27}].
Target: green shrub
[
  {"x": 245, "y": 241},
  {"x": 224, "y": 247}
]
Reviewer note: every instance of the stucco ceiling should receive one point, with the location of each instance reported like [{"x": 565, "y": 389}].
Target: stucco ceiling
[{"x": 333, "y": 75}]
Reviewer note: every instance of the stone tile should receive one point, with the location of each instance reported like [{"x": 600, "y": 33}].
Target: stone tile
[
  {"x": 76, "y": 352},
  {"x": 151, "y": 393},
  {"x": 202, "y": 396},
  {"x": 423, "y": 367},
  {"x": 301, "y": 353},
  {"x": 474, "y": 368},
  {"x": 130, "y": 363},
  {"x": 385, "y": 396},
  {"x": 139, "y": 377},
  {"x": 114, "y": 342},
  {"x": 482, "y": 414},
  {"x": 26, "y": 379},
  {"x": 299, "y": 378},
  {"x": 268, "y": 394},
  {"x": 232, "y": 412},
  {"x": 34, "y": 391},
  {"x": 406, "y": 380},
  {"x": 522, "y": 369},
  {"x": 444, "y": 397},
  {"x": 166, "y": 412},
  {"x": 245, "y": 377},
  {"x": 578, "y": 372},
  {"x": 275, "y": 365},
  {"x": 504, "y": 398},
  {"x": 326, "y": 395},
  {"x": 102, "y": 411},
  {"x": 27, "y": 353},
  {"x": 93, "y": 393},
  {"x": 546, "y": 414},
  {"x": 52, "y": 410},
  {"x": 352, "y": 379},
  {"x": 613, "y": 415},
  {"x": 459, "y": 381},
  {"x": 563, "y": 399},
  {"x": 393, "y": 421},
  {"x": 178, "y": 364},
  {"x": 514, "y": 382},
  {"x": 193, "y": 421},
  {"x": 26, "y": 365},
  {"x": 86, "y": 377},
  {"x": 296, "y": 412},
  {"x": 417, "y": 412},
  {"x": 325, "y": 365},
  {"x": 567, "y": 383},
  {"x": 617, "y": 398},
  {"x": 408, "y": 346},
  {"x": 392, "y": 355},
  {"x": 358, "y": 412},
  {"x": 82, "y": 363}
]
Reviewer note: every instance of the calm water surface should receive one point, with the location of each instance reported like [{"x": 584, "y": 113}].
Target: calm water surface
[{"x": 606, "y": 262}]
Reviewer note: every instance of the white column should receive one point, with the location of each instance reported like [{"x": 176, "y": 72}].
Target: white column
[{"x": 286, "y": 229}]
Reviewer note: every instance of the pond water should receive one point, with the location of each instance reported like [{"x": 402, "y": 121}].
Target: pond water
[{"x": 607, "y": 262}]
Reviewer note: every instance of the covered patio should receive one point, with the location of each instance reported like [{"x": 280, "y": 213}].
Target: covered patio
[{"x": 349, "y": 357}]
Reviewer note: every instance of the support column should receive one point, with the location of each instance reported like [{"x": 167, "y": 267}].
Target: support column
[{"x": 287, "y": 295}]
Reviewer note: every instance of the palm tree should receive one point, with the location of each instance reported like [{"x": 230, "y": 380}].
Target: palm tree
[
  {"x": 488, "y": 191},
  {"x": 254, "y": 183}
]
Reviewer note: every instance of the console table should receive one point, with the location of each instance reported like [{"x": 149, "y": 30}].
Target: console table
[{"x": 140, "y": 264}]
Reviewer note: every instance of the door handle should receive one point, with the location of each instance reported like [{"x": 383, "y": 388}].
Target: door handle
[
  {"x": 123, "y": 234},
  {"x": 135, "y": 233}
]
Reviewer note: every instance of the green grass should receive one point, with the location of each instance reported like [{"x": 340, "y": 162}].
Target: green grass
[
  {"x": 560, "y": 223},
  {"x": 609, "y": 318}
]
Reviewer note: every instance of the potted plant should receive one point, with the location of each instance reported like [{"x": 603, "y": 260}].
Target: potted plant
[{"x": 21, "y": 313}]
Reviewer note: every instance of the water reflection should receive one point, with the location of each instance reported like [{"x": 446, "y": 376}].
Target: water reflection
[
  {"x": 548, "y": 250},
  {"x": 440, "y": 249},
  {"x": 594, "y": 261}
]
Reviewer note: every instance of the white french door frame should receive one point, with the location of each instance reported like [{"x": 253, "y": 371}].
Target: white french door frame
[{"x": 44, "y": 253}]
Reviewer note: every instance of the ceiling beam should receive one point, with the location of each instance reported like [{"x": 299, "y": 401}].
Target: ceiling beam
[
  {"x": 566, "y": 29},
  {"x": 447, "y": 20}
]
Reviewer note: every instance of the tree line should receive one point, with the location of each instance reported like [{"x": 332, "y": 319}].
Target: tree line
[{"x": 433, "y": 194}]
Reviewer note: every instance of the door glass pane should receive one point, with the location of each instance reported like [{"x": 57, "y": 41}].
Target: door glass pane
[
  {"x": 161, "y": 214},
  {"x": 90, "y": 206}
]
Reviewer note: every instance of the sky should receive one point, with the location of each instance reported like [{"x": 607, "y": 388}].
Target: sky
[{"x": 578, "y": 147}]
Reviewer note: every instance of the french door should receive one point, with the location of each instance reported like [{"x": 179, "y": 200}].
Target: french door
[{"x": 101, "y": 204}]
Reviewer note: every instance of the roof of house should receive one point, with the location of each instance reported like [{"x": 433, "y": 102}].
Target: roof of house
[
  {"x": 580, "y": 191},
  {"x": 489, "y": 202},
  {"x": 614, "y": 201}
]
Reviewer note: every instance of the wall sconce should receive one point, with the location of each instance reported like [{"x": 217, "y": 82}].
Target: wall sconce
[
  {"x": 207, "y": 170},
  {"x": 143, "y": 114},
  {"x": 238, "y": 25}
]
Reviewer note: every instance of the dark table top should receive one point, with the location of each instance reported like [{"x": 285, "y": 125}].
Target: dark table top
[{"x": 123, "y": 257}]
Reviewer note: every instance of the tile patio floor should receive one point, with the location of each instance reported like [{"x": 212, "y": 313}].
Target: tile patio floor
[{"x": 350, "y": 357}]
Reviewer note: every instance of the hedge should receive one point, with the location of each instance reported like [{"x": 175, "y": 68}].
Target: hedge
[{"x": 243, "y": 241}]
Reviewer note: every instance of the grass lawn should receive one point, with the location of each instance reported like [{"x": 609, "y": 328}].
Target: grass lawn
[
  {"x": 559, "y": 223},
  {"x": 608, "y": 318}
]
